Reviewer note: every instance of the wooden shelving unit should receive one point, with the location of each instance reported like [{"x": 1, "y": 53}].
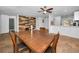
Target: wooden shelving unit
[{"x": 26, "y": 22}]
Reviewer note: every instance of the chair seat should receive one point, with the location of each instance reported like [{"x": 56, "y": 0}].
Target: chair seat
[
  {"x": 22, "y": 45},
  {"x": 17, "y": 47}
]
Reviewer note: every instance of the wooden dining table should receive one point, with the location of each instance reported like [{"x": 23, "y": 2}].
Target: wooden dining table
[{"x": 37, "y": 41}]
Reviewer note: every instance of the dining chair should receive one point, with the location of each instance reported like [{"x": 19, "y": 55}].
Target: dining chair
[
  {"x": 17, "y": 47},
  {"x": 53, "y": 44}
]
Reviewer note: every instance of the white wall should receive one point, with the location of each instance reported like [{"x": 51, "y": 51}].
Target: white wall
[
  {"x": 17, "y": 23},
  {"x": 57, "y": 20},
  {"x": 39, "y": 22},
  {"x": 46, "y": 23},
  {"x": 50, "y": 19},
  {"x": 4, "y": 22}
]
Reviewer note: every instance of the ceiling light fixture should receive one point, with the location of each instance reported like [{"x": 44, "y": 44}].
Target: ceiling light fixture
[{"x": 44, "y": 12}]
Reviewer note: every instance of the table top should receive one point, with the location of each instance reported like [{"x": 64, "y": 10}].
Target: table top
[{"x": 37, "y": 42}]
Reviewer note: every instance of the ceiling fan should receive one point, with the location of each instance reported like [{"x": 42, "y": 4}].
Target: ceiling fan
[{"x": 46, "y": 10}]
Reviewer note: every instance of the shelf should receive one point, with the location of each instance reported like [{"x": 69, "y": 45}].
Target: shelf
[{"x": 26, "y": 22}]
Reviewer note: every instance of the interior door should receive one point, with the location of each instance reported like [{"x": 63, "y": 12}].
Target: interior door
[{"x": 11, "y": 24}]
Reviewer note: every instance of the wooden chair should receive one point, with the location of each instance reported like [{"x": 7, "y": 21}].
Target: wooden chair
[
  {"x": 53, "y": 44},
  {"x": 17, "y": 47}
]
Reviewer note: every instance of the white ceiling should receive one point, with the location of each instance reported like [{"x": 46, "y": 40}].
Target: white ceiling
[{"x": 32, "y": 10}]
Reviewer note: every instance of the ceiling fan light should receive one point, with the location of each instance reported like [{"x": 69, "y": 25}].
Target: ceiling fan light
[{"x": 44, "y": 12}]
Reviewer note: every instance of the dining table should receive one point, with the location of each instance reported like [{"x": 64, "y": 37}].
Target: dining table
[{"x": 37, "y": 41}]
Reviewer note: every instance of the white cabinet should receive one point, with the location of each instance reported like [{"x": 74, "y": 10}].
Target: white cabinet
[
  {"x": 76, "y": 15},
  {"x": 4, "y": 24}
]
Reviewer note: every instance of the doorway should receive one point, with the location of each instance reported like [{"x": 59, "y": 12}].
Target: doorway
[{"x": 11, "y": 25}]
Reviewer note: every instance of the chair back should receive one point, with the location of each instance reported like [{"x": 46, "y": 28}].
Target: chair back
[{"x": 54, "y": 42}]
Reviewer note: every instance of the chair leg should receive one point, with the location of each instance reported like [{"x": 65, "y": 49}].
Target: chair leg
[
  {"x": 53, "y": 50},
  {"x": 30, "y": 51},
  {"x": 14, "y": 51}
]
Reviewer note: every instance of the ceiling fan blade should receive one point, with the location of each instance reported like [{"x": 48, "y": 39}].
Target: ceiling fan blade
[
  {"x": 50, "y": 9},
  {"x": 42, "y": 9}
]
